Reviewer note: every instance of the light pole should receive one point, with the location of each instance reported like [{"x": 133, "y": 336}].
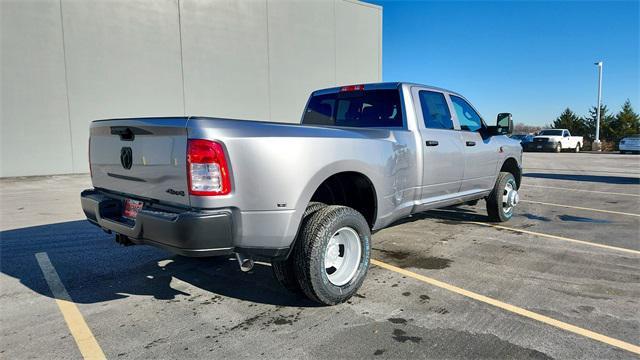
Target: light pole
[{"x": 596, "y": 143}]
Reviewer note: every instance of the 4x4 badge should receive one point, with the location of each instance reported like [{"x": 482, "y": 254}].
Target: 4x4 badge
[{"x": 175, "y": 192}]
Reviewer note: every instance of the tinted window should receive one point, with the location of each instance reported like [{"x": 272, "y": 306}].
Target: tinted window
[
  {"x": 369, "y": 108},
  {"x": 435, "y": 110},
  {"x": 468, "y": 118},
  {"x": 551, "y": 132}
]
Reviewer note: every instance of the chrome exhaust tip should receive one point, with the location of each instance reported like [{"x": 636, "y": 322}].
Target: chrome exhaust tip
[{"x": 246, "y": 263}]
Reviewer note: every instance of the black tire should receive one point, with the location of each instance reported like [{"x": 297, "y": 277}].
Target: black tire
[
  {"x": 310, "y": 253},
  {"x": 577, "y": 149},
  {"x": 558, "y": 148},
  {"x": 495, "y": 209},
  {"x": 284, "y": 270}
]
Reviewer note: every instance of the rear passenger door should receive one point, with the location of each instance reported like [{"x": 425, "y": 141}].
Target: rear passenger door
[
  {"x": 442, "y": 149},
  {"x": 480, "y": 150}
]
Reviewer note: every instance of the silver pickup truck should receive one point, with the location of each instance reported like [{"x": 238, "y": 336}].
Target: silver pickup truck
[{"x": 307, "y": 196}]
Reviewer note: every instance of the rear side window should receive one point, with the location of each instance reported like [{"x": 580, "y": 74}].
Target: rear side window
[
  {"x": 435, "y": 110},
  {"x": 369, "y": 108}
]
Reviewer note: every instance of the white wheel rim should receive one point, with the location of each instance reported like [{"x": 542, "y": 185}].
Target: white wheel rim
[
  {"x": 342, "y": 256},
  {"x": 510, "y": 197}
]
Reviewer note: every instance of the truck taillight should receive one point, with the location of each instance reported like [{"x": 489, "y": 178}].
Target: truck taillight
[{"x": 207, "y": 170}]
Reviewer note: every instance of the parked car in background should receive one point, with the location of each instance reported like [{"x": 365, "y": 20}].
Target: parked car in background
[
  {"x": 630, "y": 144},
  {"x": 523, "y": 138},
  {"x": 555, "y": 140},
  {"x": 303, "y": 196}
]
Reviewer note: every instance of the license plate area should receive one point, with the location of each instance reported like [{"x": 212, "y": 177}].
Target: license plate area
[{"x": 131, "y": 208}]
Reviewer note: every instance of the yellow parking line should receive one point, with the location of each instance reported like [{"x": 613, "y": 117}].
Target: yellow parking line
[
  {"x": 89, "y": 347},
  {"x": 514, "y": 309},
  {"x": 580, "y": 208},
  {"x": 548, "y": 236},
  {"x": 555, "y": 237},
  {"x": 582, "y": 190}
]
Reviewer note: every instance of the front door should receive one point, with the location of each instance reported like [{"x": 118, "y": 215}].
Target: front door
[
  {"x": 442, "y": 150},
  {"x": 480, "y": 152}
]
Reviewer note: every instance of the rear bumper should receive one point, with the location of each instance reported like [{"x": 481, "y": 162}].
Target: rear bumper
[{"x": 184, "y": 232}]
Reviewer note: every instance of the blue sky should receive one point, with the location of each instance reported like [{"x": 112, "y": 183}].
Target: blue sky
[{"x": 531, "y": 58}]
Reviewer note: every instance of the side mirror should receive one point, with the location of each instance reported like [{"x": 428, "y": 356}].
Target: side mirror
[{"x": 504, "y": 123}]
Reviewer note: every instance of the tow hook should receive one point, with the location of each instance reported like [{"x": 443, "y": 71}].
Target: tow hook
[
  {"x": 246, "y": 263},
  {"x": 123, "y": 240}
]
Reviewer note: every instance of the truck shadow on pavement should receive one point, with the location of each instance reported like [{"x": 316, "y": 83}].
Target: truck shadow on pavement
[
  {"x": 95, "y": 269},
  {"x": 447, "y": 215},
  {"x": 618, "y": 180}
]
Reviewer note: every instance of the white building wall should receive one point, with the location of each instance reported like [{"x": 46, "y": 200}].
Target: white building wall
[
  {"x": 67, "y": 62},
  {"x": 34, "y": 128},
  {"x": 225, "y": 57}
]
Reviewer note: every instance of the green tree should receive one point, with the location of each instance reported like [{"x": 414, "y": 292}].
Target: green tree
[
  {"x": 626, "y": 122},
  {"x": 569, "y": 120},
  {"x": 606, "y": 120}
]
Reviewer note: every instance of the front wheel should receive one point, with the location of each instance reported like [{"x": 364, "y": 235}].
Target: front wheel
[
  {"x": 558, "y": 147},
  {"x": 332, "y": 255},
  {"x": 503, "y": 198}
]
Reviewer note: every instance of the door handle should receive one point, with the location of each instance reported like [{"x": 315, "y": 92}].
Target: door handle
[
  {"x": 431, "y": 143},
  {"x": 471, "y": 143}
]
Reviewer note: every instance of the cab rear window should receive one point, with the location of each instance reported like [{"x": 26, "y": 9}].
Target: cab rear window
[{"x": 368, "y": 108}]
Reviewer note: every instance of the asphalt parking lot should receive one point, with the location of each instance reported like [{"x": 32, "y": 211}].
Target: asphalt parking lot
[{"x": 561, "y": 280}]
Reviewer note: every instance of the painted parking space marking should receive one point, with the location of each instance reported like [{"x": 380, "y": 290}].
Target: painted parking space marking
[
  {"x": 87, "y": 343},
  {"x": 580, "y": 208},
  {"x": 555, "y": 237},
  {"x": 513, "y": 309},
  {"x": 581, "y": 190},
  {"x": 548, "y": 236}
]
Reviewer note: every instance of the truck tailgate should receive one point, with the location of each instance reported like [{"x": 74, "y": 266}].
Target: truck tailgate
[{"x": 144, "y": 158}]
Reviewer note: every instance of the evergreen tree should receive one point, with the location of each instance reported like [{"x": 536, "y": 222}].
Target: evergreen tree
[
  {"x": 569, "y": 120},
  {"x": 606, "y": 121},
  {"x": 627, "y": 122}
]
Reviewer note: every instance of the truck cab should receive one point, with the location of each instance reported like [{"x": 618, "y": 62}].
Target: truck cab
[{"x": 455, "y": 154}]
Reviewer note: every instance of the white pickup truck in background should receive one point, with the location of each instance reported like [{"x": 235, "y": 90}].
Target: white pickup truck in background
[{"x": 555, "y": 140}]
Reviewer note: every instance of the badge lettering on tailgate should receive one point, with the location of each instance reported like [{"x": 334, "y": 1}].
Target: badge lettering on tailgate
[{"x": 175, "y": 192}]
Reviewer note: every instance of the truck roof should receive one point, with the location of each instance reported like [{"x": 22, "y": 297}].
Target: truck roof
[{"x": 380, "y": 85}]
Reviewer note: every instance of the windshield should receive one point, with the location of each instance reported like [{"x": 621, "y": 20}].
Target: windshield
[
  {"x": 551, "y": 132},
  {"x": 369, "y": 108}
]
